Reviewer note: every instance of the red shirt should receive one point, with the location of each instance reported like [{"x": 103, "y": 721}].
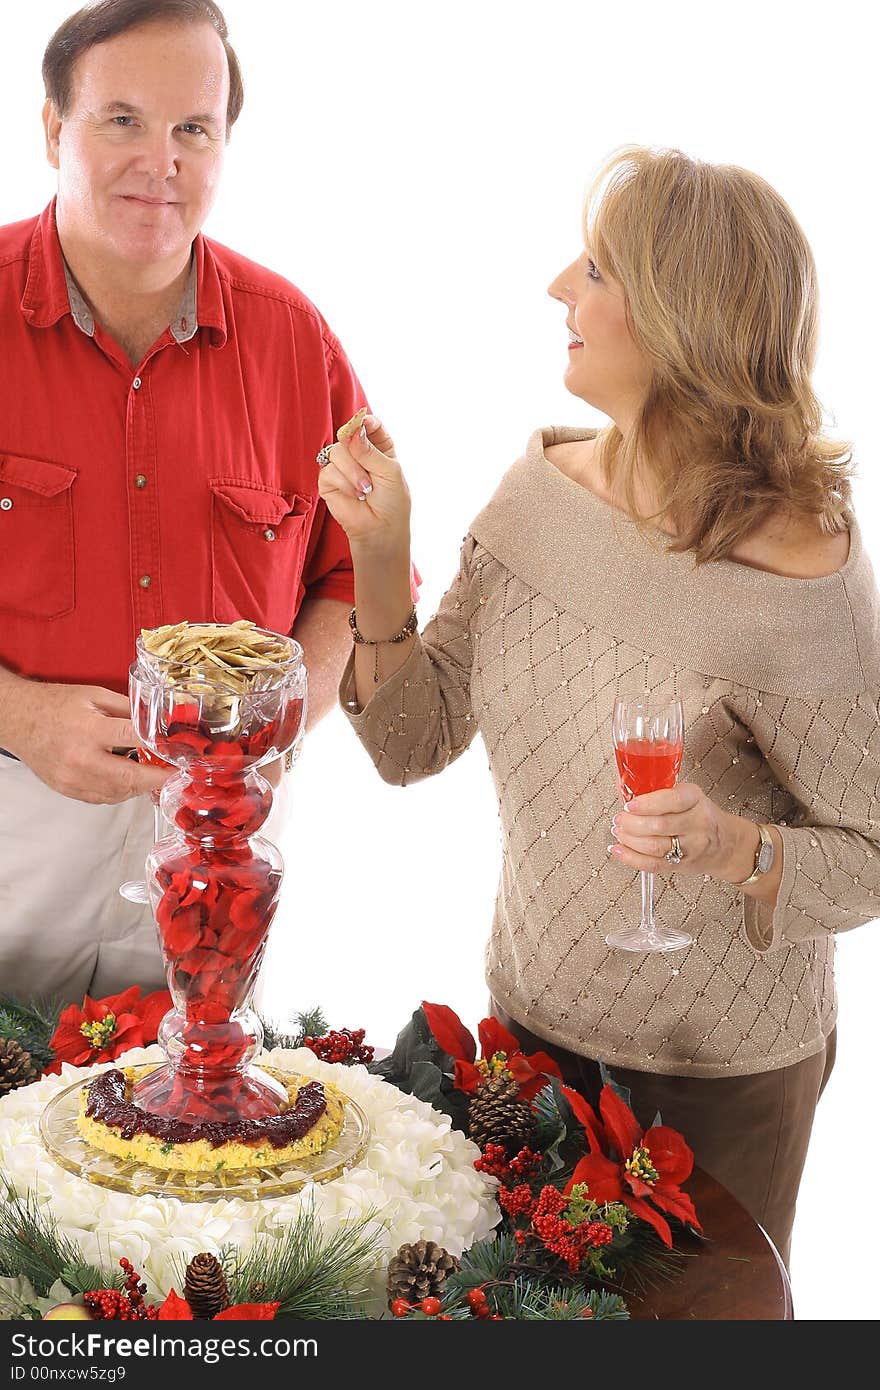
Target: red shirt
[{"x": 183, "y": 488}]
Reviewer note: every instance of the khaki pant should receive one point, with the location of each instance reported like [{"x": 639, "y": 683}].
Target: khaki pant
[
  {"x": 749, "y": 1132},
  {"x": 64, "y": 929}
]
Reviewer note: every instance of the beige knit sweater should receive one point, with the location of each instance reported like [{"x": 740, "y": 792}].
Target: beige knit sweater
[{"x": 561, "y": 604}]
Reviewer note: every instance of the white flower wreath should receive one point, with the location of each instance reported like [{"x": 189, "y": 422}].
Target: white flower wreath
[{"x": 418, "y": 1175}]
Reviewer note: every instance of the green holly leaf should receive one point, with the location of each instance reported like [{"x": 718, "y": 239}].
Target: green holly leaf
[
  {"x": 420, "y": 1067},
  {"x": 415, "y": 1043}
]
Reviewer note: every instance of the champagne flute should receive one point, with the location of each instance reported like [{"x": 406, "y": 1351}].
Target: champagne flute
[
  {"x": 135, "y": 890},
  {"x": 648, "y": 746}
]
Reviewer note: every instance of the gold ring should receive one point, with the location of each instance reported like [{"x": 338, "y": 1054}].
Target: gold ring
[{"x": 675, "y": 855}]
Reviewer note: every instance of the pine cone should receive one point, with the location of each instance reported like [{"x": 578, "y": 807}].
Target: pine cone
[
  {"x": 419, "y": 1271},
  {"x": 16, "y": 1067},
  {"x": 496, "y": 1115},
  {"x": 205, "y": 1287}
]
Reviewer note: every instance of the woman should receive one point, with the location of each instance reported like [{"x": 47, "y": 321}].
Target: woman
[{"x": 701, "y": 546}]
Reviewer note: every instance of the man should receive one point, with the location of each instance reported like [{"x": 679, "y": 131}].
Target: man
[{"x": 162, "y": 402}]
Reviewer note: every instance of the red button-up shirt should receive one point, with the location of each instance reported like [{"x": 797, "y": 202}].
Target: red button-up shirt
[{"x": 183, "y": 488}]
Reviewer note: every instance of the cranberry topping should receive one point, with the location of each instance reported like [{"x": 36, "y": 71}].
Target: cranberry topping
[{"x": 108, "y": 1102}]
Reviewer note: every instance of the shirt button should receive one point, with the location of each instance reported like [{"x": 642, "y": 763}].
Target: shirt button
[
  {"x": 269, "y": 534},
  {"x": 140, "y": 480},
  {"x": 6, "y": 504},
  {"x": 136, "y": 383},
  {"x": 145, "y": 581}
]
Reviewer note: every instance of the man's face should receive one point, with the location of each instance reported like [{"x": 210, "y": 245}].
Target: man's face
[{"x": 140, "y": 149}]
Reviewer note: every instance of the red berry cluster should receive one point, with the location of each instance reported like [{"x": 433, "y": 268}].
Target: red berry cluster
[
  {"x": 126, "y": 1304},
  {"x": 342, "y": 1046},
  {"x": 480, "y": 1308},
  {"x": 400, "y": 1308},
  {"x": 494, "y": 1162},
  {"x": 517, "y": 1201},
  {"x": 571, "y": 1244},
  {"x": 431, "y": 1308}
]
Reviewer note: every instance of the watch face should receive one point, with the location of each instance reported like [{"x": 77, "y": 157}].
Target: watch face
[{"x": 765, "y": 858}]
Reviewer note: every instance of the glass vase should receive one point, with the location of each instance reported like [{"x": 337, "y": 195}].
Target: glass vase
[{"x": 214, "y": 881}]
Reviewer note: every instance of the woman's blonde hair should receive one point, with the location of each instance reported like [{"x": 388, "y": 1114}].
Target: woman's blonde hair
[{"x": 721, "y": 295}]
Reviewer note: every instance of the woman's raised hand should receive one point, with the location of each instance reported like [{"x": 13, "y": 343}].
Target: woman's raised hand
[{"x": 366, "y": 492}]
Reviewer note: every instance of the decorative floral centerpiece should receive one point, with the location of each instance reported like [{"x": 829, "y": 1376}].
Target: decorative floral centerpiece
[{"x": 489, "y": 1190}]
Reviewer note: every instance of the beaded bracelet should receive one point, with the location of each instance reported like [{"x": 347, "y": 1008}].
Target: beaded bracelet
[{"x": 410, "y": 627}]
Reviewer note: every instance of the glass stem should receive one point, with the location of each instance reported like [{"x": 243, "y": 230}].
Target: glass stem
[
  {"x": 157, "y": 822},
  {"x": 647, "y": 901}
]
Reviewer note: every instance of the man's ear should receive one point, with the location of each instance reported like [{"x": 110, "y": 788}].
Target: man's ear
[{"x": 52, "y": 127}]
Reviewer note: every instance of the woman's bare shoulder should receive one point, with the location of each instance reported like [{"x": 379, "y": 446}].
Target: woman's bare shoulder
[
  {"x": 795, "y": 548},
  {"x": 576, "y": 459}
]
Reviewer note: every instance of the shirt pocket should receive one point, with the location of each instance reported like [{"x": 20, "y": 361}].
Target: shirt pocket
[
  {"x": 258, "y": 546},
  {"x": 36, "y": 537}
]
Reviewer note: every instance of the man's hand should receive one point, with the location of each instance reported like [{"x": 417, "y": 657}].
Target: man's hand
[{"x": 65, "y": 734}]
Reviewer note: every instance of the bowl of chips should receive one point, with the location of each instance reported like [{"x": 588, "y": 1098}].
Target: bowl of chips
[{"x": 223, "y": 695}]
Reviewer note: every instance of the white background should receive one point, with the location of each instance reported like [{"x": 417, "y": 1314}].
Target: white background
[{"x": 419, "y": 171}]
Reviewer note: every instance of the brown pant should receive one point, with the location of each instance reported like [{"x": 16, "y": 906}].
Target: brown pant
[{"x": 749, "y": 1132}]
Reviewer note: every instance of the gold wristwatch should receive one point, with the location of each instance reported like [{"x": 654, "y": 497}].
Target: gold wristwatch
[{"x": 764, "y": 857}]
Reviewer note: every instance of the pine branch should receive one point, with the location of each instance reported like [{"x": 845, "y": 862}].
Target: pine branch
[
  {"x": 30, "y": 1025},
  {"x": 552, "y": 1125},
  {"x": 487, "y": 1262},
  {"x": 312, "y": 1273},
  {"x": 608, "y": 1307},
  {"x": 31, "y": 1245},
  {"x": 525, "y": 1293},
  {"x": 641, "y": 1260},
  {"x": 532, "y": 1302},
  {"x": 311, "y": 1024}
]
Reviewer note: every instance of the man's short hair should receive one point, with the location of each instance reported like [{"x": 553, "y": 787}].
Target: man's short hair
[{"x": 104, "y": 19}]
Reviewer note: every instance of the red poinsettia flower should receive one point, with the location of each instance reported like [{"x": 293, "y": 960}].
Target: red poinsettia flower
[
  {"x": 104, "y": 1028},
  {"x": 631, "y": 1165},
  {"x": 248, "y": 1312},
  {"x": 497, "y": 1043},
  {"x": 177, "y": 1309}
]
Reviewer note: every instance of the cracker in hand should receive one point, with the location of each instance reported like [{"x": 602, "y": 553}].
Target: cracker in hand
[{"x": 350, "y": 429}]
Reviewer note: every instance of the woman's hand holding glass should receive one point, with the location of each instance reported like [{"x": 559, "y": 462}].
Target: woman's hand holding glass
[{"x": 712, "y": 841}]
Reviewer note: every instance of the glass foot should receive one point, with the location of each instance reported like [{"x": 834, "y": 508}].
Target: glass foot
[
  {"x": 655, "y": 939},
  {"x": 134, "y": 891},
  {"x": 219, "y": 1098}
]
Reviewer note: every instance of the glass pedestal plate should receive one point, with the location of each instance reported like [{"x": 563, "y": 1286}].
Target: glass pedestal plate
[
  {"x": 214, "y": 885},
  {"x": 64, "y": 1142}
]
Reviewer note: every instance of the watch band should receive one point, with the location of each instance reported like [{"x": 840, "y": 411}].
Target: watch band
[{"x": 763, "y": 862}]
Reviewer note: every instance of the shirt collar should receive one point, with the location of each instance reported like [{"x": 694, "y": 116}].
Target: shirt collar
[
  {"x": 183, "y": 327},
  {"x": 51, "y": 292}
]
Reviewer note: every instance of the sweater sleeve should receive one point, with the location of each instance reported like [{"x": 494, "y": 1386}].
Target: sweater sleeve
[
  {"x": 825, "y": 754},
  {"x": 420, "y": 719}
]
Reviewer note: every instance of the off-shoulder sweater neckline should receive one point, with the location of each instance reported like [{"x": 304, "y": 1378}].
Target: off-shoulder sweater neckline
[{"x": 768, "y": 631}]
